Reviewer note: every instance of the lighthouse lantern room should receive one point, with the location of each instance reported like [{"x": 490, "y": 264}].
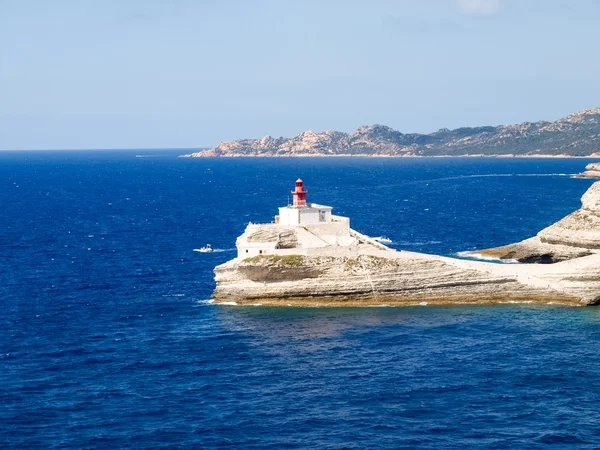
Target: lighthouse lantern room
[{"x": 299, "y": 194}]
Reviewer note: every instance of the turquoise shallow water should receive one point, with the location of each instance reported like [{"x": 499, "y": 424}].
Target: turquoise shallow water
[{"x": 107, "y": 339}]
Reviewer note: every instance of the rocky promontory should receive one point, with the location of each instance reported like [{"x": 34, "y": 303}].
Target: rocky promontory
[
  {"x": 592, "y": 170},
  {"x": 378, "y": 278},
  {"x": 574, "y": 236},
  {"x": 369, "y": 275},
  {"x": 575, "y": 135}
]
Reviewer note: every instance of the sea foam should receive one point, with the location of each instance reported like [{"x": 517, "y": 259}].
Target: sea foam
[{"x": 480, "y": 257}]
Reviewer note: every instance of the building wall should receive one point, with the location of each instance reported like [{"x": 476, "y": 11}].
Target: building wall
[
  {"x": 250, "y": 249},
  {"x": 304, "y": 216},
  {"x": 309, "y": 216},
  {"x": 334, "y": 233},
  {"x": 315, "y": 228},
  {"x": 324, "y": 212},
  {"x": 289, "y": 216},
  {"x": 342, "y": 219},
  {"x": 307, "y": 239}
]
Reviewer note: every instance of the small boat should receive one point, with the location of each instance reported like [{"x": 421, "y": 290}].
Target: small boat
[
  {"x": 206, "y": 249},
  {"x": 382, "y": 240}
]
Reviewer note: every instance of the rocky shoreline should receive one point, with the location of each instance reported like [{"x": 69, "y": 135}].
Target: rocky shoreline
[
  {"x": 592, "y": 170},
  {"x": 568, "y": 272},
  {"x": 575, "y": 236},
  {"x": 404, "y": 279},
  {"x": 576, "y": 135},
  {"x": 309, "y": 155}
]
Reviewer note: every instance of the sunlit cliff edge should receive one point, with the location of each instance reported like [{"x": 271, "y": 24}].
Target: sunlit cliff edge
[{"x": 326, "y": 263}]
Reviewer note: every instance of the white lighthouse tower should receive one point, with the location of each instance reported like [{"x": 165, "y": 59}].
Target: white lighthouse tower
[
  {"x": 302, "y": 213},
  {"x": 302, "y": 229}
]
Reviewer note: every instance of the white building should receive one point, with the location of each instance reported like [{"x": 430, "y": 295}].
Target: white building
[
  {"x": 305, "y": 215},
  {"x": 302, "y": 228}
]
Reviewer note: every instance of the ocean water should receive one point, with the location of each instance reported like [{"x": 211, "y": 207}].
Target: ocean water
[{"x": 108, "y": 338}]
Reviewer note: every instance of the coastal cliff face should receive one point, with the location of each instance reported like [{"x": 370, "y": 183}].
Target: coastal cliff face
[
  {"x": 580, "y": 229},
  {"x": 378, "y": 277},
  {"x": 368, "y": 275},
  {"x": 574, "y": 135},
  {"x": 592, "y": 170},
  {"x": 574, "y": 236}
]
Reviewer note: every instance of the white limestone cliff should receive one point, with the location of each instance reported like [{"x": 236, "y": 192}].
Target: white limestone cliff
[
  {"x": 574, "y": 236},
  {"x": 367, "y": 274},
  {"x": 592, "y": 170}
]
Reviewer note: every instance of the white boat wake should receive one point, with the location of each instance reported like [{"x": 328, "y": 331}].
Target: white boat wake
[
  {"x": 214, "y": 250},
  {"x": 382, "y": 240}
]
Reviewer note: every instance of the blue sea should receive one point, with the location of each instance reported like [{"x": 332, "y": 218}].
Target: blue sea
[{"x": 108, "y": 338}]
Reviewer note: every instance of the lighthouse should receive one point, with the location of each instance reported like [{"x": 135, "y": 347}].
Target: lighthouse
[
  {"x": 299, "y": 194},
  {"x": 301, "y": 212},
  {"x": 299, "y": 228}
]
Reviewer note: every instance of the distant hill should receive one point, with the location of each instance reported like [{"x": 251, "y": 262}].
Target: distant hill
[{"x": 574, "y": 135}]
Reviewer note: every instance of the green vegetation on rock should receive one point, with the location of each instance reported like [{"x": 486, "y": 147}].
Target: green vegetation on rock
[
  {"x": 368, "y": 262},
  {"x": 284, "y": 260}
]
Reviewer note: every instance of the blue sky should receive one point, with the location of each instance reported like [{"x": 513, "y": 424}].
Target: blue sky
[{"x": 190, "y": 73}]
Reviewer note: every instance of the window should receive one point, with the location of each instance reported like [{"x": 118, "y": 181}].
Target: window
[
  {"x": 321, "y": 216},
  {"x": 260, "y": 251},
  {"x": 246, "y": 250}
]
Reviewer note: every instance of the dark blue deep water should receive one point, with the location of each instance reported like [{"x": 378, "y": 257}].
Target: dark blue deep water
[{"x": 107, "y": 339}]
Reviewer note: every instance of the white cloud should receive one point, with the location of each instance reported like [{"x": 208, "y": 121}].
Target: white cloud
[{"x": 480, "y": 7}]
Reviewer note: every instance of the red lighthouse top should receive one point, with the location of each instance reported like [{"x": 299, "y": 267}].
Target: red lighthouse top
[{"x": 299, "y": 193}]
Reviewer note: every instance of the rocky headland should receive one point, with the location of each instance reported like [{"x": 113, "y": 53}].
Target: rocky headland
[
  {"x": 575, "y": 236},
  {"x": 575, "y": 135},
  {"x": 373, "y": 275},
  {"x": 592, "y": 170}
]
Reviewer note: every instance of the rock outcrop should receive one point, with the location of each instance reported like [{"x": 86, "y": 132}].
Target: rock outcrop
[
  {"x": 592, "y": 170},
  {"x": 574, "y": 135},
  {"x": 574, "y": 236},
  {"x": 533, "y": 250},
  {"x": 368, "y": 275},
  {"x": 378, "y": 277}
]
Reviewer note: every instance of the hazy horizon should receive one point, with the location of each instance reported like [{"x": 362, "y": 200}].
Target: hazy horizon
[
  {"x": 205, "y": 147},
  {"x": 185, "y": 74}
]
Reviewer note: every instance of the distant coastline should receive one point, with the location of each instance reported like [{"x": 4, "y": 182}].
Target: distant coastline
[
  {"x": 594, "y": 156},
  {"x": 577, "y": 135}
]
